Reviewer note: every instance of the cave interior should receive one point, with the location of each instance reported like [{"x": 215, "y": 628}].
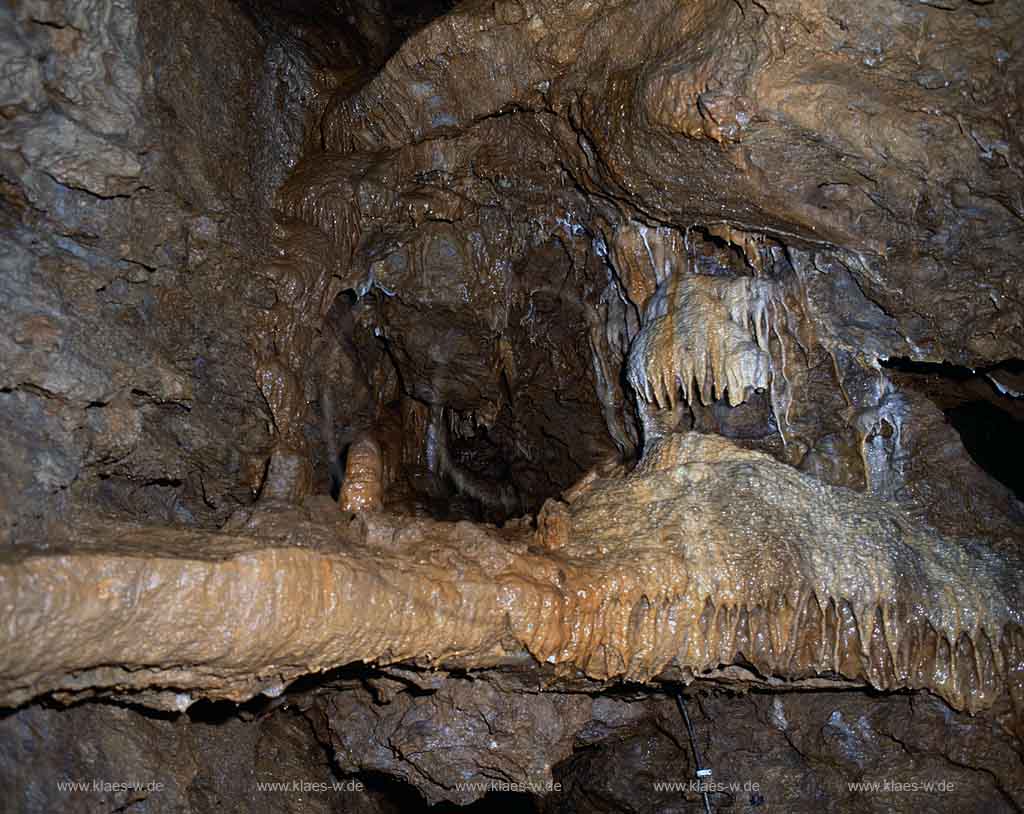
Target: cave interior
[{"x": 511, "y": 405}]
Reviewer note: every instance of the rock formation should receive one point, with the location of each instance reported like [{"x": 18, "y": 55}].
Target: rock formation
[{"x": 421, "y": 397}]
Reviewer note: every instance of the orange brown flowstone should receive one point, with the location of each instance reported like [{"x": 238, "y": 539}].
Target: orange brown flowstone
[{"x": 706, "y": 555}]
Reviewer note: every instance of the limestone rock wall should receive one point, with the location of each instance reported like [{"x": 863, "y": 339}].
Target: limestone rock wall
[{"x": 140, "y": 146}]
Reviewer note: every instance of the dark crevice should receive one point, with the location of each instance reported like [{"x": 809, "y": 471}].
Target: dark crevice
[
  {"x": 994, "y": 439},
  {"x": 172, "y": 482},
  {"x": 371, "y": 31},
  {"x": 990, "y": 425},
  {"x": 946, "y": 370},
  {"x": 409, "y": 801}
]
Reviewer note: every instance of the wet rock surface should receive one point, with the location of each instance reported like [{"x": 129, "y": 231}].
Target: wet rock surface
[
  {"x": 706, "y": 555},
  {"x": 792, "y": 753},
  {"x": 102, "y": 758},
  {"x": 455, "y": 739},
  {"x": 547, "y": 356}
]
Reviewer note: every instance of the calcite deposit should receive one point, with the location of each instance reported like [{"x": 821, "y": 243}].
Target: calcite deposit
[
  {"x": 425, "y": 396},
  {"x": 362, "y": 489},
  {"x": 728, "y": 557}
]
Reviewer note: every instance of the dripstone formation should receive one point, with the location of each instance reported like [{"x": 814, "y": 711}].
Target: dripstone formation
[{"x": 415, "y": 402}]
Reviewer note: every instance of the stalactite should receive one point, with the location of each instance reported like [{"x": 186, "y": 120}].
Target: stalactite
[
  {"x": 711, "y": 337},
  {"x": 608, "y": 393}
]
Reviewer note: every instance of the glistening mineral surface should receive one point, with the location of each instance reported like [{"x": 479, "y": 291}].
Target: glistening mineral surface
[{"x": 705, "y": 556}]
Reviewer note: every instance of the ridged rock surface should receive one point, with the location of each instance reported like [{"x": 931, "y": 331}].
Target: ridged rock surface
[{"x": 707, "y": 555}]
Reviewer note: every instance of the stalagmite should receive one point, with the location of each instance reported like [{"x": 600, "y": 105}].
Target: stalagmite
[{"x": 363, "y": 487}]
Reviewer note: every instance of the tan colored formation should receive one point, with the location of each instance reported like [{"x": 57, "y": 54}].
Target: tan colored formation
[
  {"x": 363, "y": 488},
  {"x": 705, "y": 556},
  {"x": 711, "y": 337},
  {"x": 801, "y": 578}
]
